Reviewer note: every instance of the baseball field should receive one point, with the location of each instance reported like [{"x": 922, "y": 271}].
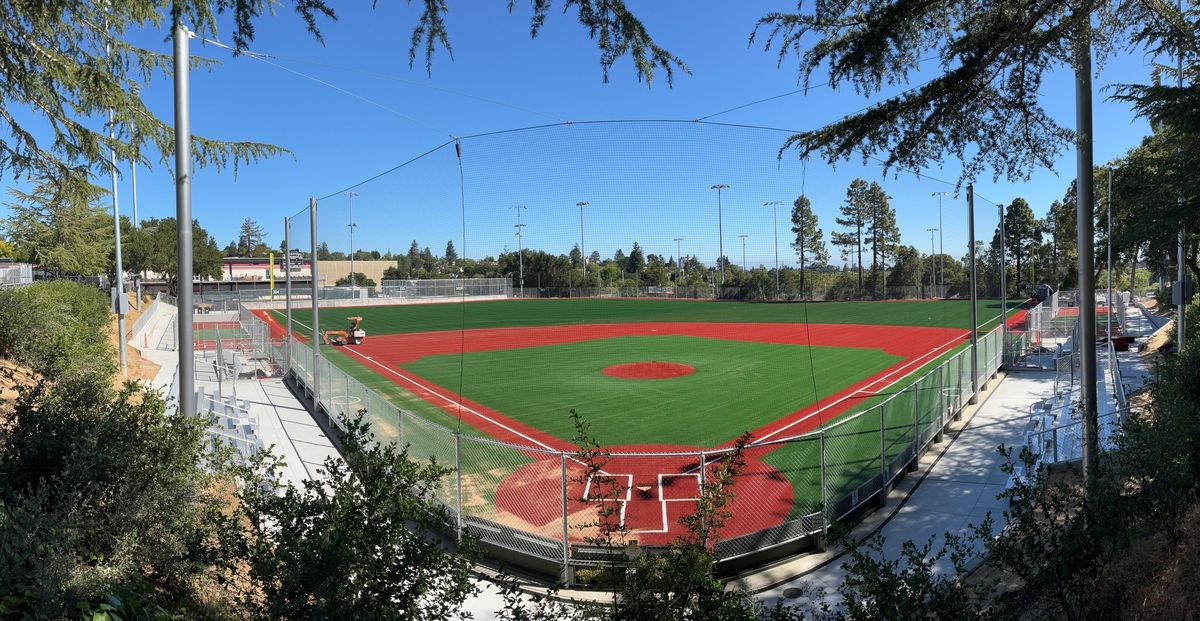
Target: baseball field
[{"x": 650, "y": 376}]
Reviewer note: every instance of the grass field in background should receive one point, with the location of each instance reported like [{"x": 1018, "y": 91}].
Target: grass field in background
[
  {"x": 737, "y": 386},
  {"x": 541, "y": 312}
]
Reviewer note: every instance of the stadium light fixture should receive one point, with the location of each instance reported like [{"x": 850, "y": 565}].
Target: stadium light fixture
[
  {"x": 941, "y": 245},
  {"x": 775, "y": 222},
  {"x": 582, "y": 253},
  {"x": 678, "y": 259},
  {"x": 720, "y": 230},
  {"x": 520, "y": 248},
  {"x": 350, "y": 201},
  {"x": 744, "y": 236}
]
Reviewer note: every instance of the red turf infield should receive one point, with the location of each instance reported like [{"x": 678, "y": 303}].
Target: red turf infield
[{"x": 648, "y": 370}]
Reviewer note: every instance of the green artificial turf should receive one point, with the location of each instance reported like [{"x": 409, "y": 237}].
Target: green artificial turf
[
  {"x": 509, "y": 313},
  {"x": 211, "y": 334},
  {"x": 737, "y": 386}
]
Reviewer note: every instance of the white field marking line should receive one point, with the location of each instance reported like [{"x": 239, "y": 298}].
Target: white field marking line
[
  {"x": 933, "y": 353},
  {"x": 674, "y": 474},
  {"x": 444, "y": 397},
  {"x": 628, "y": 489}
]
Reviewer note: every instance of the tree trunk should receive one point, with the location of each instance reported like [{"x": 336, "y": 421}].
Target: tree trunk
[{"x": 860, "y": 270}]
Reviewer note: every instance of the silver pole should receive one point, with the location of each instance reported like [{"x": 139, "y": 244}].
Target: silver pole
[
  {"x": 941, "y": 247},
  {"x": 678, "y": 260},
  {"x": 1004, "y": 278},
  {"x": 775, "y": 222},
  {"x": 350, "y": 209},
  {"x": 974, "y": 294},
  {"x": 314, "y": 333},
  {"x": 118, "y": 268},
  {"x": 744, "y": 268},
  {"x": 287, "y": 284},
  {"x": 133, "y": 178},
  {"x": 932, "y": 270},
  {"x": 1085, "y": 225},
  {"x": 1180, "y": 320},
  {"x": 183, "y": 221},
  {"x": 582, "y": 253},
  {"x": 566, "y": 550},
  {"x": 720, "y": 231},
  {"x": 883, "y": 470},
  {"x": 521, "y": 249},
  {"x": 1109, "y": 314}
]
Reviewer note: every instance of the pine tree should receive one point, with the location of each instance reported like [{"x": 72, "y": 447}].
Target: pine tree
[
  {"x": 415, "y": 264},
  {"x": 881, "y": 229},
  {"x": 809, "y": 242},
  {"x": 1021, "y": 234},
  {"x": 854, "y": 217},
  {"x": 451, "y": 253},
  {"x": 60, "y": 226},
  {"x": 250, "y": 237},
  {"x": 636, "y": 260}
]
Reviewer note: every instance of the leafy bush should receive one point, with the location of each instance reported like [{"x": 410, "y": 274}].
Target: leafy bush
[{"x": 59, "y": 330}]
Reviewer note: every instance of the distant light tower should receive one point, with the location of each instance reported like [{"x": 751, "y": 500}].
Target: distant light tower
[
  {"x": 520, "y": 248},
  {"x": 678, "y": 259},
  {"x": 744, "y": 236},
  {"x": 941, "y": 246},
  {"x": 582, "y": 253},
  {"x": 932, "y": 281},
  {"x": 350, "y": 199},
  {"x": 720, "y": 230},
  {"x": 775, "y": 219}
]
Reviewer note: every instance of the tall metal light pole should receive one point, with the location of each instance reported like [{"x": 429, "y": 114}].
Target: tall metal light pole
[
  {"x": 521, "y": 248},
  {"x": 119, "y": 280},
  {"x": 1180, "y": 328},
  {"x": 350, "y": 206},
  {"x": 931, "y": 270},
  {"x": 183, "y": 221},
  {"x": 775, "y": 221},
  {"x": 720, "y": 230},
  {"x": 678, "y": 259},
  {"x": 974, "y": 294},
  {"x": 941, "y": 246},
  {"x": 744, "y": 236},
  {"x": 582, "y": 253},
  {"x": 1085, "y": 241},
  {"x": 1109, "y": 314}
]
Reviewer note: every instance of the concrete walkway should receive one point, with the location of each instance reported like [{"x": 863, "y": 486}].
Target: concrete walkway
[{"x": 953, "y": 490}]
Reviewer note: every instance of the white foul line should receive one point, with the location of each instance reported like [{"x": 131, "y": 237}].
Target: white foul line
[
  {"x": 936, "y": 351},
  {"x": 444, "y": 397}
]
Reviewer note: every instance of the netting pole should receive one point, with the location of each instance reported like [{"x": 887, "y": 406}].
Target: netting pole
[
  {"x": 703, "y": 467},
  {"x": 1003, "y": 286},
  {"x": 974, "y": 293},
  {"x": 458, "y": 482},
  {"x": 313, "y": 333},
  {"x": 287, "y": 297},
  {"x": 566, "y": 549},
  {"x": 882, "y": 461}
]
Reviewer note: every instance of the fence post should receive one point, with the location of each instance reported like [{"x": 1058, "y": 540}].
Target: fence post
[
  {"x": 941, "y": 421},
  {"x": 314, "y": 336},
  {"x": 826, "y": 510},
  {"x": 703, "y": 476},
  {"x": 566, "y": 546},
  {"x": 287, "y": 296},
  {"x": 883, "y": 474},
  {"x": 400, "y": 428},
  {"x": 916, "y": 442},
  {"x": 458, "y": 481},
  {"x": 1054, "y": 439}
]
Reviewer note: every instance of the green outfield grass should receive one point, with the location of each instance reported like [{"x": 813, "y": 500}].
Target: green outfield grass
[
  {"x": 511, "y": 313},
  {"x": 737, "y": 386}
]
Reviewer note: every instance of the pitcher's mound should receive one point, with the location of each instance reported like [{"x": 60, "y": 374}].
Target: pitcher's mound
[{"x": 648, "y": 370}]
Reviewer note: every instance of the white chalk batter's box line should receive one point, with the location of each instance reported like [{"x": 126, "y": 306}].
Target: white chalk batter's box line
[
  {"x": 629, "y": 494},
  {"x": 629, "y": 488}
]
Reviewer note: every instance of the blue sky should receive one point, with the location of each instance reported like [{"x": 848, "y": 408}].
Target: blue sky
[{"x": 644, "y": 182}]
